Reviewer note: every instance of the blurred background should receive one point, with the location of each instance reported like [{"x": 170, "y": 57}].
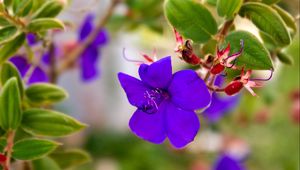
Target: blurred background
[{"x": 263, "y": 131}]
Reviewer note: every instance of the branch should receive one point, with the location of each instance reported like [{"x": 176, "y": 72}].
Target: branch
[
  {"x": 73, "y": 56},
  {"x": 8, "y": 148}
]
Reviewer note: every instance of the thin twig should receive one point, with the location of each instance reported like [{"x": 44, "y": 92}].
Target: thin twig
[
  {"x": 8, "y": 148},
  {"x": 35, "y": 63},
  {"x": 73, "y": 56}
]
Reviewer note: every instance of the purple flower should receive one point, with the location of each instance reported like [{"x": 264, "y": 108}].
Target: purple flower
[
  {"x": 31, "y": 39},
  {"x": 220, "y": 105},
  {"x": 165, "y": 102},
  {"x": 225, "y": 162},
  {"x": 90, "y": 56},
  {"x": 38, "y": 74}
]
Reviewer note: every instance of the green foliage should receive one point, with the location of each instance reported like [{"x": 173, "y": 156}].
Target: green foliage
[
  {"x": 10, "y": 105},
  {"x": 269, "y": 43},
  {"x": 45, "y": 163},
  {"x": 23, "y": 7},
  {"x": 43, "y": 24},
  {"x": 270, "y": 1},
  {"x": 284, "y": 58},
  {"x": 9, "y": 71},
  {"x": 45, "y": 93},
  {"x": 268, "y": 21},
  {"x": 30, "y": 149},
  {"x": 11, "y": 47},
  {"x": 7, "y": 3},
  {"x": 3, "y": 22},
  {"x": 228, "y": 8},
  {"x": 287, "y": 18},
  {"x": 49, "y": 123},
  {"x": 255, "y": 56},
  {"x": 70, "y": 158},
  {"x": 6, "y": 33},
  {"x": 49, "y": 9},
  {"x": 191, "y": 19}
]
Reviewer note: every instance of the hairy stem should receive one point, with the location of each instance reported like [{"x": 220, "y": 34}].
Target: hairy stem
[
  {"x": 8, "y": 148},
  {"x": 224, "y": 30}
]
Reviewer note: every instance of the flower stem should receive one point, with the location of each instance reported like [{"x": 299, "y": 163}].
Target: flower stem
[
  {"x": 9, "y": 147},
  {"x": 224, "y": 30}
]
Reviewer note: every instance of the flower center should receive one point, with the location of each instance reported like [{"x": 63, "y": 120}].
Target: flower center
[{"x": 153, "y": 98}]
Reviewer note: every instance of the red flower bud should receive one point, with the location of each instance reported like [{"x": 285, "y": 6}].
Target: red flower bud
[
  {"x": 192, "y": 59},
  {"x": 2, "y": 158},
  {"x": 217, "y": 69},
  {"x": 233, "y": 88}
]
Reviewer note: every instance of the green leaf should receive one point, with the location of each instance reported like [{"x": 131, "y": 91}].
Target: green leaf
[
  {"x": 8, "y": 71},
  {"x": 228, "y": 8},
  {"x": 37, "y": 4},
  {"x": 287, "y": 18},
  {"x": 255, "y": 56},
  {"x": 23, "y": 8},
  {"x": 191, "y": 19},
  {"x": 45, "y": 93},
  {"x": 267, "y": 20},
  {"x": 43, "y": 24},
  {"x": 270, "y": 1},
  {"x": 4, "y": 22},
  {"x": 211, "y": 2},
  {"x": 269, "y": 43},
  {"x": 209, "y": 47},
  {"x": 11, "y": 47},
  {"x": 3, "y": 143},
  {"x": 49, "y": 123},
  {"x": 284, "y": 58},
  {"x": 30, "y": 149},
  {"x": 7, "y": 3},
  {"x": 2, "y": 7},
  {"x": 6, "y": 33},
  {"x": 10, "y": 105},
  {"x": 70, "y": 158},
  {"x": 49, "y": 9},
  {"x": 45, "y": 163}
]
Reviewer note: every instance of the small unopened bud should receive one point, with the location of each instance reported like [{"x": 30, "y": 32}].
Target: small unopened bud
[
  {"x": 2, "y": 158},
  {"x": 233, "y": 88}
]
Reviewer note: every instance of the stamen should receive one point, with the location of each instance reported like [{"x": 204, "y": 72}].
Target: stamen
[
  {"x": 130, "y": 60},
  {"x": 267, "y": 79},
  {"x": 153, "y": 98},
  {"x": 179, "y": 38},
  {"x": 234, "y": 61},
  {"x": 239, "y": 52}
]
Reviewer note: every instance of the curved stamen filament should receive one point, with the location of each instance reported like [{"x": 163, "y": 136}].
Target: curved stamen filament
[
  {"x": 261, "y": 79},
  {"x": 131, "y": 60},
  {"x": 239, "y": 52}
]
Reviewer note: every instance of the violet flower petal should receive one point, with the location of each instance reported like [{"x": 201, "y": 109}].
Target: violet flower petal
[
  {"x": 182, "y": 126},
  {"x": 38, "y": 75},
  {"x": 220, "y": 105},
  {"x": 227, "y": 163},
  {"x": 188, "y": 91},
  {"x": 86, "y": 27},
  {"x": 21, "y": 63},
  {"x": 134, "y": 89},
  {"x": 88, "y": 63},
  {"x": 31, "y": 39},
  {"x": 157, "y": 74},
  {"x": 101, "y": 39},
  {"x": 149, "y": 127}
]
